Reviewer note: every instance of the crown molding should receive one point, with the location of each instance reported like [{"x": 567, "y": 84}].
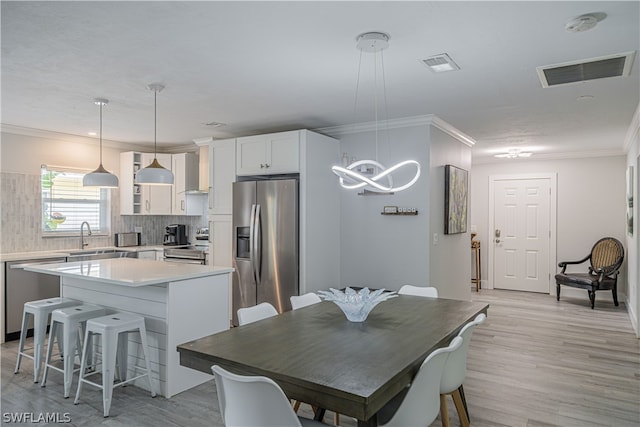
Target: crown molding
[
  {"x": 424, "y": 120},
  {"x": 632, "y": 132}
]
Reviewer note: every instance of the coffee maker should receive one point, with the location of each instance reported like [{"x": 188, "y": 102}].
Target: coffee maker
[{"x": 175, "y": 234}]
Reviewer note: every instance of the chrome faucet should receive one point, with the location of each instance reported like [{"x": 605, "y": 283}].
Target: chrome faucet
[{"x": 82, "y": 243}]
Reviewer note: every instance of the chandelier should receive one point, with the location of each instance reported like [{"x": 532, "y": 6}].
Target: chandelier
[{"x": 371, "y": 175}]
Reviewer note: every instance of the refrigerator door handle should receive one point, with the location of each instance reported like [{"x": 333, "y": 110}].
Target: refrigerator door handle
[
  {"x": 258, "y": 246},
  {"x": 254, "y": 242}
]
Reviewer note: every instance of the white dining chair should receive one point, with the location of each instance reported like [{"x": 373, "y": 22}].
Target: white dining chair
[
  {"x": 454, "y": 373},
  {"x": 257, "y": 312},
  {"x": 420, "y": 291},
  {"x": 254, "y": 401},
  {"x": 299, "y": 301},
  {"x": 420, "y": 404}
]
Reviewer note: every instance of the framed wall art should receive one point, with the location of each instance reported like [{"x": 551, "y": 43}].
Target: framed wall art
[{"x": 456, "y": 189}]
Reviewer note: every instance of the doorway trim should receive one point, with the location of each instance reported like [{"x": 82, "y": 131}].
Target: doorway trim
[{"x": 553, "y": 219}]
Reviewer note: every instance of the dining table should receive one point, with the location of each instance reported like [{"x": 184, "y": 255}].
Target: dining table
[{"x": 319, "y": 357}]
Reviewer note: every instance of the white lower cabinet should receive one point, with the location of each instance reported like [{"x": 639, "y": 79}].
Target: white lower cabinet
[
  {"x": 152, "y": 255},
  {"x": 220, "y": 232}
]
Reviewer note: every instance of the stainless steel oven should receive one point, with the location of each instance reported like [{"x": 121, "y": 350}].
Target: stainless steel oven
[{"x": 186, "y": 255}]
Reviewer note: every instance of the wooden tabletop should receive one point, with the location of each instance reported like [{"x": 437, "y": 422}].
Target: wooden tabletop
[{"x": 317, "y": 356}]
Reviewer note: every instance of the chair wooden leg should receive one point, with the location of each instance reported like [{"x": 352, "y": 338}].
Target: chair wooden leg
[
  {"x": 444, "y": 412},
  {"x": 464, "y": 402},
  {"x": 336, "y": 419},
  {"x": 592, "y": 298},
  {"x": 557, "y": 291},
  {"x": 462, "y": 414},
  {"x": 296, "y": 406},
  {"x": 614, "y": 291}
]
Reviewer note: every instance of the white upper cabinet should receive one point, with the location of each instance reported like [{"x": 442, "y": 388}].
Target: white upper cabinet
[
  {"x": 156, "y": 199},
  {"x": 185, "y": 170},
  {"x": 130, "y": 192},
  {"x": 222, "y": 175},
  {"x": 269, "y": 154},
  {"x": 137, "y": 199}
]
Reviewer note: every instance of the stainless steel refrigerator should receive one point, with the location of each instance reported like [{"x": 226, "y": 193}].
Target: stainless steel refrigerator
[{"x": 265, "y": 244}]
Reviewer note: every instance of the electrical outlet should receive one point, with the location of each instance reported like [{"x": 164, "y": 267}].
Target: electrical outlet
[{"x": 435, "y": 239}]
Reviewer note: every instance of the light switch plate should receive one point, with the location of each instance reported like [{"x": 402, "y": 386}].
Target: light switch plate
[{"x": 435, "y": 239}]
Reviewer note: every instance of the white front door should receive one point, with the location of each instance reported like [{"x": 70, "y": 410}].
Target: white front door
[{"x": 522, "y": 234}]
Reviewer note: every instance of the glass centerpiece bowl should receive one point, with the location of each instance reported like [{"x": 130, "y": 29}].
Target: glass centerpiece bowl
[{"x": 356, "y": 305}]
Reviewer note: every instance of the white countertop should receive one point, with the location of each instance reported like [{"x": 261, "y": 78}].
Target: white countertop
[
  {"x": 21, "y": 256},
  {"x": 130, "y": 272}
]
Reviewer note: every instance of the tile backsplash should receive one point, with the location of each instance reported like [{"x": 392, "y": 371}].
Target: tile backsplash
[{"x": 20, "y": 230}]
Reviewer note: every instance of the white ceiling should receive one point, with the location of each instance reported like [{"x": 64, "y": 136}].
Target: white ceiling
[{"x": 271, "y": 66}]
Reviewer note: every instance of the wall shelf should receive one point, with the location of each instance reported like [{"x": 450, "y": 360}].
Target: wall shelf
[{"x": 400, "y": 213}]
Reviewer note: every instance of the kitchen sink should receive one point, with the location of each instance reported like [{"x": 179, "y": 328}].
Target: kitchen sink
[{"x": 92, "y": 254}]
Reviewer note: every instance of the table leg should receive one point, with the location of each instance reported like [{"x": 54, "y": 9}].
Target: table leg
[
  {"x": 318, "y": 414},
  {"x": 371, "y": 422}
]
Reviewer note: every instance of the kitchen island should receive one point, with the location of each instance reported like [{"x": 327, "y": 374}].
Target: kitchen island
[{"x": 180, "y": 302}]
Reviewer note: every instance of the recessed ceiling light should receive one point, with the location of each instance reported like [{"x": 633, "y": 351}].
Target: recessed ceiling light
[
  {"x": 585, "y": 98},
  {"x": 213, "y": 124},
  {"x": 92, "y": 133},
  {"x": 513, "y": 153},
  {"x": 440, "y": 63}
]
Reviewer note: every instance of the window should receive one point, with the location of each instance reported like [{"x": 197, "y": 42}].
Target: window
[{"x": 66, "y": 203}]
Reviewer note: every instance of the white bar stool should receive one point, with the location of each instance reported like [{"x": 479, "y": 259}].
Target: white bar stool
[
  {"x": 40, "y": 310},
  {"x": 73, "y": 320},
  {"x": 114, "y": 329}
]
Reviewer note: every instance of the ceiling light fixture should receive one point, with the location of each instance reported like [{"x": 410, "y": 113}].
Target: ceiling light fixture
[
  {"x": 155, "y": 173},
  {"x": 100, "y": 177},
  {"x": 513, "y": 153},
  {"x": 366, "y": 174}
]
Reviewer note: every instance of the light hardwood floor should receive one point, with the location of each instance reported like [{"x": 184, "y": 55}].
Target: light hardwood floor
[{"x": 535, "y": 363}]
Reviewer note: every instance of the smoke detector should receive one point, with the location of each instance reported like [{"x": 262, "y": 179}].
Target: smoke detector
[{"x": 584, "y": 22}]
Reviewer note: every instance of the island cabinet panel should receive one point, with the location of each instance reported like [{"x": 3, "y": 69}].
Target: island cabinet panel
[{"x": 175, "y": 312}]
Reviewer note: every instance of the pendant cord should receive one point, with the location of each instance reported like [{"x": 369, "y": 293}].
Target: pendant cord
[
  {"x": 375, "y": 99},
  {"x": 100, "y": 133},
  {"x": 155, "y": 124},
  {"x": 386, "y": 108},
  {"x": 355, "y": 101}
]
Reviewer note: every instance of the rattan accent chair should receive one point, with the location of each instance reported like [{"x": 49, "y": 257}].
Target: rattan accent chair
[{"x": 606, "y": 259}]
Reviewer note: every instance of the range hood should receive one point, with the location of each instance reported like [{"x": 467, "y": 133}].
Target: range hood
[{"x": 203, "y": 167}]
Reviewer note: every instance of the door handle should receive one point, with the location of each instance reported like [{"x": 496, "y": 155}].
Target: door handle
[
  {"x": 258, "y": 246},
  {"x": 254, "y": 244}
]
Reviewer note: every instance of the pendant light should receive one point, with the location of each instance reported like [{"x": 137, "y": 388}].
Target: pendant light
[
  {"x": 370, "y": 175},
  {"x": 100, "y": 177},
  {"x": 155, "y": 173}
]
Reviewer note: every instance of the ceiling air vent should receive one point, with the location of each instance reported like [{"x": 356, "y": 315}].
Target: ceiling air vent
[
  {"x": 617, "y": 65},
  {"x": 440, "y": 63}
]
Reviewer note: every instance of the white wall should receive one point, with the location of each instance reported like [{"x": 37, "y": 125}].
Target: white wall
[
  {"x": 25, "y": 154},
  {"x": 20, "y": 159},
  {"x": 449, "y": 273},
  {"x": 383, "y": 251},
  {"x": 633, "y": 241},
  {"x": 389, "y": 251},
  {"x": 591, "y": 197}
]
